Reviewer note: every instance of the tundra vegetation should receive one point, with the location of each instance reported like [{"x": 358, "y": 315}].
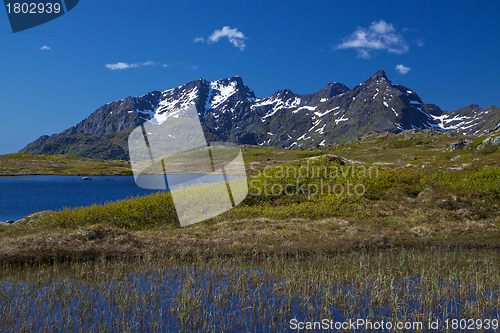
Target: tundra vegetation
[{"x": 418, "y": 244}]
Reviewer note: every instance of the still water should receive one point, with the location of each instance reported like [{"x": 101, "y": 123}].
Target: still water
[{"x": 21, "y": 196}]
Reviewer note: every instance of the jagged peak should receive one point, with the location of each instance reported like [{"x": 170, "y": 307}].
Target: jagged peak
[
  {"x": 283, "y": 94},
  {"x": 233, "y": 86},
  {"x": 468, "y": 107},
  {"x": 337, "y": 84},
  {"x": 410, "y": 93},
  {"x": 432, "y": 109},
  {"x": 235, "y": 81},
  {"x": 378, "y": 76},
  {"x": 330, "y": 91},
  {"x": 225, "y": 81},
  {"x": 335, "y": 88}
]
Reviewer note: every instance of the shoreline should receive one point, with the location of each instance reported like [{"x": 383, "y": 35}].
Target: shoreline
[{"x": 251, "y": 239}]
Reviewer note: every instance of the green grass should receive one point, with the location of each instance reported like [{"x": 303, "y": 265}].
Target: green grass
[{"x": 20, "y": 164}]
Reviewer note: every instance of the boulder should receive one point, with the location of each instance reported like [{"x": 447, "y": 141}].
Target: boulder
[
  {"x": 329, "y": 158},
  {"x": 490, "y": 141},
  {"x": 458, "y": 145}
]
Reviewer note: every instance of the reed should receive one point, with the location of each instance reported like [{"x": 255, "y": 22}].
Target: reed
[{"x": 155, "y": 293}]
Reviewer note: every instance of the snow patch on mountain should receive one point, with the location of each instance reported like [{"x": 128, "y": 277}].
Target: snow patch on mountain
[
  {"x": 310, "y": 108},
  {"x": 278, "y": 104},
  {"x": 338, "y": 120},
  {"x": 457, "y": 122},
  {"x": 170, "y": 106},
  {"x": 222, "y": 92},
  {"x": 320, "y": 114}
]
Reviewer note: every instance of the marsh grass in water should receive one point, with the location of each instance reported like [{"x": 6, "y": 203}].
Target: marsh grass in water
[{"x": 159, "y": 294}]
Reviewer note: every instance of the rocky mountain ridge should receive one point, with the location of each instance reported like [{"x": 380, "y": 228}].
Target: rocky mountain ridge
[{"x": 230, "y": 111}]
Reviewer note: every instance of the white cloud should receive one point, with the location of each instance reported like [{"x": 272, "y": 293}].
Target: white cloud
[
  {"x": 379, "y": 36},
  {"x": 402, "y": 69},
  {"x": 199, "y": 40},
  {"x": 235, "y": 37},
  {"x": 420, "y": 42},
  {"x": 118, "y": 65},
  {"x": 45, "y": 47},
  {"x": 124, "y": 65}
]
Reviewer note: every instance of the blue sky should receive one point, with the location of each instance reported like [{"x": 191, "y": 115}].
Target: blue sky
[{"x": 54, "y": 75}]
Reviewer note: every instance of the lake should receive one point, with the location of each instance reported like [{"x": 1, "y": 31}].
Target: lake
[{"x": 21, "y": 196}]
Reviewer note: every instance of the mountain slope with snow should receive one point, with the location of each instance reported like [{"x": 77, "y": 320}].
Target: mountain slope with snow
[{"x": 230, "y": 111}]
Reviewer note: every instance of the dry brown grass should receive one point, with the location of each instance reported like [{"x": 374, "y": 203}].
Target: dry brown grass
[{"x": 258, "y": 237}]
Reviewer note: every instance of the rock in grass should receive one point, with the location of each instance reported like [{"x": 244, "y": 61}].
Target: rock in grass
[
  {"x": 330, "y": 158},
  {"x": 457, "y": 145},
  {"x": 490, "y": 141}
]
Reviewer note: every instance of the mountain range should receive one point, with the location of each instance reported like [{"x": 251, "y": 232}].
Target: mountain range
[{"x": 230, "y": 111}]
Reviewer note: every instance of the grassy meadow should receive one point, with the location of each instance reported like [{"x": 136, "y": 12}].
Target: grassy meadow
[
  {"x": 24, "y": 164},
  {"x": 391, "y": 227}
]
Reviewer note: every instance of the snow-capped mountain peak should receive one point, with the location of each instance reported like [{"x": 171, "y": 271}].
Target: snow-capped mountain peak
[
  {"x": 229, "y": 111},
  {"x": 213, "y": 95}
]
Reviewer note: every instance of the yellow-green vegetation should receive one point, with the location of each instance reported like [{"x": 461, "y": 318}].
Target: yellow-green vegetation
[
  {"x": 154, "y": 211},
  {"x": 23, "y": 164},
  {"x": 319, "y": 204}
]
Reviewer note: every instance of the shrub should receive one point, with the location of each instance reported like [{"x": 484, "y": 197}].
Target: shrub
[{"x": 140, "y": 213}]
